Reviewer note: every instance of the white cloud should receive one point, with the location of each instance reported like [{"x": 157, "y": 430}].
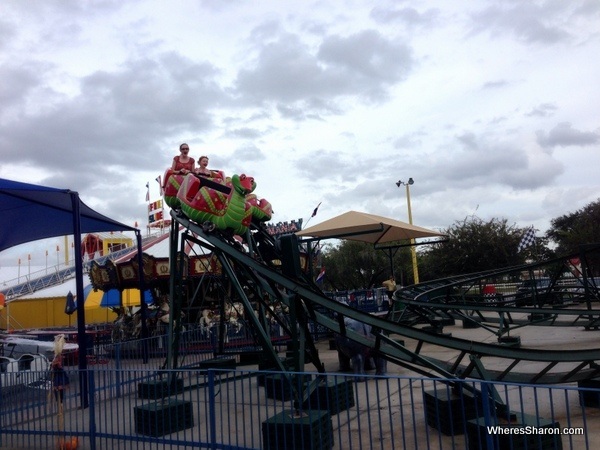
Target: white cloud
[
  {"x": 563, "y": 135},
  {"x": 492, "y": 104}
]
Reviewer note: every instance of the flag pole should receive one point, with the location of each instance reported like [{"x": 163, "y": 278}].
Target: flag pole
[
  {"x": 535, "y": 246},
  {"x": 161, "y": 192},
  {"x": 314, "y": 213}
]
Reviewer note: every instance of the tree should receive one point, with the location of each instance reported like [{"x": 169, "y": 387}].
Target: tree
[
  {"x": 357, "y": 265},
  {"x": 570, "y": 231},
  {"x": 473, "y": 245}
]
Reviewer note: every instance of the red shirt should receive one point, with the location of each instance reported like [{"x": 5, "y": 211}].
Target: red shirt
[{"x": 189, "y": 165}]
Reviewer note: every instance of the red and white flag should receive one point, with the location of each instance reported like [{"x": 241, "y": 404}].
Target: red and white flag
[
  {"x": 315, "y": 210},
  {"x": 321, "y": 275},
  {"x": 159, "y": 181}
]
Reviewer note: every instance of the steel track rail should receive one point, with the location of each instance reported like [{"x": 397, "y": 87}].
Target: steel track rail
[{"x": 582, "y": 363}]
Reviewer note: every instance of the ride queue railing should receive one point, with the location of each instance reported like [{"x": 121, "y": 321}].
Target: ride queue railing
[
  {"x": 134, "y": 405},
  {"x": 249, "y": 409}
]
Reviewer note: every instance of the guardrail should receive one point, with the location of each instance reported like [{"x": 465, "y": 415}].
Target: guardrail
[
  {"x": 42, "y": 279},
  {"x": 203, "y": 407}
]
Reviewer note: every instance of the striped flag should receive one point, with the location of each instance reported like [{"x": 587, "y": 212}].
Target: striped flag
[
  {"x": 159, "y": 181},
  {"x": 321, "y": 275},
  {"x": 315, "y": 210},
  {"x": 527, "y": 240}
]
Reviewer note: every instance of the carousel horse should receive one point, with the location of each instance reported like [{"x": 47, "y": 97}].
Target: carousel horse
[
  {"x": 205, "y": 322},
  {"x": 164, "y": 315},
  {"x": 233, "y": 313}
]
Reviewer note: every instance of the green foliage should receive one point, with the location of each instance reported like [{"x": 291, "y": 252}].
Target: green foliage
[
  {"x": 575, "y": 229},
  {"x": 473, "y": 246},
  {"x": 357, "y": 265}
]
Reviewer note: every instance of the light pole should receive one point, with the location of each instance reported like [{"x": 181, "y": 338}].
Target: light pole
[{"x": 413, "y": 251}]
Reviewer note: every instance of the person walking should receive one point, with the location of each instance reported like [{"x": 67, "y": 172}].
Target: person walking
[
  {"x": 390, "y": 285},
  {"x": 60, "y": 381},
  {"x": 59, "y": 377}
]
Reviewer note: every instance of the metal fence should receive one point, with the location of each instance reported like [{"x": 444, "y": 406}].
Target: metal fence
[
  {"x": 368, "y": 300},
  {"x": 133, "y": 407},
  {"x": 196, "y": 344}
]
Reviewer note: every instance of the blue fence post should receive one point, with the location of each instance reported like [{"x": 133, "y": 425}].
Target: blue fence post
[
  {"x": 1, "y": 415},
  {"x": 212, "y": 414},
  {"x": 92, "y": 409},
  {"x": 487, "y": 415},
  {"x": 117, "y": 369}
]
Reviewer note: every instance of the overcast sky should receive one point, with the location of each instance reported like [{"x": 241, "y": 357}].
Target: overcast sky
[{"x": 492, "y": 107}]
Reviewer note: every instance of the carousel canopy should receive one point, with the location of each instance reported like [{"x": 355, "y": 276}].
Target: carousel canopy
[
  {"x": 114, "y": 298},
  {"x": 39, "y": 212}
]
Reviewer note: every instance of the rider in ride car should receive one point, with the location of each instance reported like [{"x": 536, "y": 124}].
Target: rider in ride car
[{"x": 183, "y": 163}]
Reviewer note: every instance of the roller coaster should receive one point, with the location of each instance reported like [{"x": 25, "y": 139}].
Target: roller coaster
[{"x": 265, "y": 271}]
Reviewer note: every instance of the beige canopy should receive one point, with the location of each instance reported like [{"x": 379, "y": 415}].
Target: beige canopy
[{"x": 363, "y": 227}]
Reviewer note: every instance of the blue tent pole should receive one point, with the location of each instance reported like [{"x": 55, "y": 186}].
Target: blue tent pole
[
  {"x": 143, "y": 305},
  {"x": 81, "y": 335}
]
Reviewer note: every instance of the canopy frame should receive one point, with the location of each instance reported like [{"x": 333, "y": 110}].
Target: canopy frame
[{"x": 64, "y": 214}]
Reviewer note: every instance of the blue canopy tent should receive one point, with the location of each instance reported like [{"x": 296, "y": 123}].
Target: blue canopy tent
[{"x": 30, "y": 212}]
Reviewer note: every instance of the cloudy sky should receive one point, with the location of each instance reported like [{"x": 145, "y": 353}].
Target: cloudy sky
[{"x": 491, "y": 106}]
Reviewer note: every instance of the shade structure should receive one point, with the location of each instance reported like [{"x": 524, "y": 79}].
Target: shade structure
[
  {"x": 363, "y": 227},
  {"x": 39, "y": 212},
  {"x": 113, "y": 298}
]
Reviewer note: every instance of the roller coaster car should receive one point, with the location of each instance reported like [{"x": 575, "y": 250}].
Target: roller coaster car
[{"x": 172, "y": 182}]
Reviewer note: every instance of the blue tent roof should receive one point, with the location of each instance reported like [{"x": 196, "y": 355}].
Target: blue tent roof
[{"x": 30, "y": 213}]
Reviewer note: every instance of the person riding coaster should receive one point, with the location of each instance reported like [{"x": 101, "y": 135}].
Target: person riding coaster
[
  {"x": 222, "y": 203},
  {"x": 172, "y": 181}
]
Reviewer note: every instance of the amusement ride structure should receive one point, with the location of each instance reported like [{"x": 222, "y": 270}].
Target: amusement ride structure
[{"x": 223, "y": 217}]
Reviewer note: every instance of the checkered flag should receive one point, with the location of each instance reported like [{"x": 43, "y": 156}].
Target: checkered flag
[{"x": 527, "y": 240}]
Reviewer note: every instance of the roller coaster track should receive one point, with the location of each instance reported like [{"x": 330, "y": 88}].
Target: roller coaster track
[
  {"x": 271, "y": 266},
  {"x": 440, "y": 301}
]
